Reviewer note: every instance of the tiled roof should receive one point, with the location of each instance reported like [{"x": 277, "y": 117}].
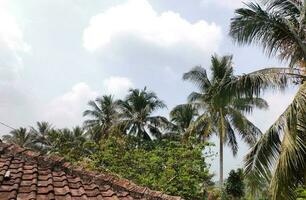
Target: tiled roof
[{"x": 25, "y": 174}]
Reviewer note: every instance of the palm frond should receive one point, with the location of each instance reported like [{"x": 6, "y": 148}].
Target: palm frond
[
  {"x": 282, "y": 148},
  {"x": 274, "y": 25},
  {"x": 248, "y": 104},
  {"x": 230, "y": 138},
  {"x": 198, "y": 76},
  {"x": 246, "y": 129},
  {"x": 256, "y": 82}
]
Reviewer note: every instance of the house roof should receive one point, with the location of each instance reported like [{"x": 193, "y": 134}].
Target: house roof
[{"x": 25, "y": 174}]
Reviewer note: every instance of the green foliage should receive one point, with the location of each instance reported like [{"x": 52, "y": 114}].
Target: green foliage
[
  {"x": 168, "y": 166},
  {"x": 278, "y": 25},
  {"x": 214, "y": 193},
  {"x": 71, "y": 144},
  {"x": 257, "y": 187},
  {"x": 234, "y": 186},
  {"x": 301, "y": 193}
]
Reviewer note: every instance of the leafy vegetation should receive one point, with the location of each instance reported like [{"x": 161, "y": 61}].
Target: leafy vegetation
[{"x": 164, "y": 165}]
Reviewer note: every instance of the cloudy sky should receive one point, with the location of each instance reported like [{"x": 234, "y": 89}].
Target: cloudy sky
[{"x": 55, "y": 55}]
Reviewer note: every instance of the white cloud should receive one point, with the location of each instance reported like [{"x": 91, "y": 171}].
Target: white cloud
[
  {"x": 232, "y": 4},
  {"x": 16, "y": 103},
  {"x": 66, "y": 110},
  {"x": 117, "y": 85},
  {"x": 135, "y": 33},
  {"x": 12, "y": 45},
  {"x": 138, "y": 18}
]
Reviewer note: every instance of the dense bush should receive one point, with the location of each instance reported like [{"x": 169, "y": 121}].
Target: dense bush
[{"x": 168, "y": 166}]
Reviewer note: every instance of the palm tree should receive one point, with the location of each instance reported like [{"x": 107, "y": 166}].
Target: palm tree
[
  {"x": 20, "y": 137},
  {"x": 279, "y": 26},
  {"x": 136, "y": 114},
  {"x": 77, "y": 137},
  {"x": 282, "y": 150},
  {"x": 182, "y": 116},
  {"x": 223, "y": 111},
  {"x": 103, "y": 113},
  {"x": 41, "y": 136}
]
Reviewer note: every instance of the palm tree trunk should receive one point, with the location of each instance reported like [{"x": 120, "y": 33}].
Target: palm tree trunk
[
  {"x": 221, "y": 147},
  {"x": 221, "y": 160}
]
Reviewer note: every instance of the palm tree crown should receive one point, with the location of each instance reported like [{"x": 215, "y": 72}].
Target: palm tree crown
[
  {"x": 103, "y": 113},
  {"x": 279, "y": 25},
  {"x": 182, "y": 116},
  {"x": 20, "y": 137},
  {"x": 136, "y": 114},
  {"x": 41, "y": 137},
  {"x": 223, "y": 112}
]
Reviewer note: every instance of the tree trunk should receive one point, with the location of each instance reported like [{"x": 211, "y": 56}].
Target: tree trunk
[
  {"x": 221, "y": 160},
  {"x": 221, "y": 147}
]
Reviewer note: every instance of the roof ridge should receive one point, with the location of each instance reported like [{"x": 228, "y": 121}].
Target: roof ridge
[{"x": 57, "y": 162}]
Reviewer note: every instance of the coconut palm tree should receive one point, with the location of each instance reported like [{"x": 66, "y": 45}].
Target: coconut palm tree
[
  {"x": 103, "y": 114},
  {"x": 136, "y": 114},
  {"x": 182, "y": 116},
  {"x": 222, "y": 112},
  {"x": 279, "y": 26},
  {"x": 20, "y": 137},
  {"x": 41, "y": 137}
]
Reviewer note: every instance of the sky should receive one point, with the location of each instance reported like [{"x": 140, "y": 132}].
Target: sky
[{"x": 57, "y": 55}]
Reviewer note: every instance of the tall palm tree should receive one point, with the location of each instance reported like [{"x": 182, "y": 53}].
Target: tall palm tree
[
  {"x": 41, "y": 137},
  {"x": 223, "y": 111},
  {"x": 103, "y": 114},
  {"x": 279, "y": 26},
  {"x": 136, "y": 114},
  {"x": 20, "y": 137}
]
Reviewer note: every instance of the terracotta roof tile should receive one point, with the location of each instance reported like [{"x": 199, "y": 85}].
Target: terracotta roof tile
[{"x": 33, "y": 176}]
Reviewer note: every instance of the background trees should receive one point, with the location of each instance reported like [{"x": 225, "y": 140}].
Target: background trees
[
  {"x": 41, "y": 136},
  {"x": 19, "y": 136}
]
